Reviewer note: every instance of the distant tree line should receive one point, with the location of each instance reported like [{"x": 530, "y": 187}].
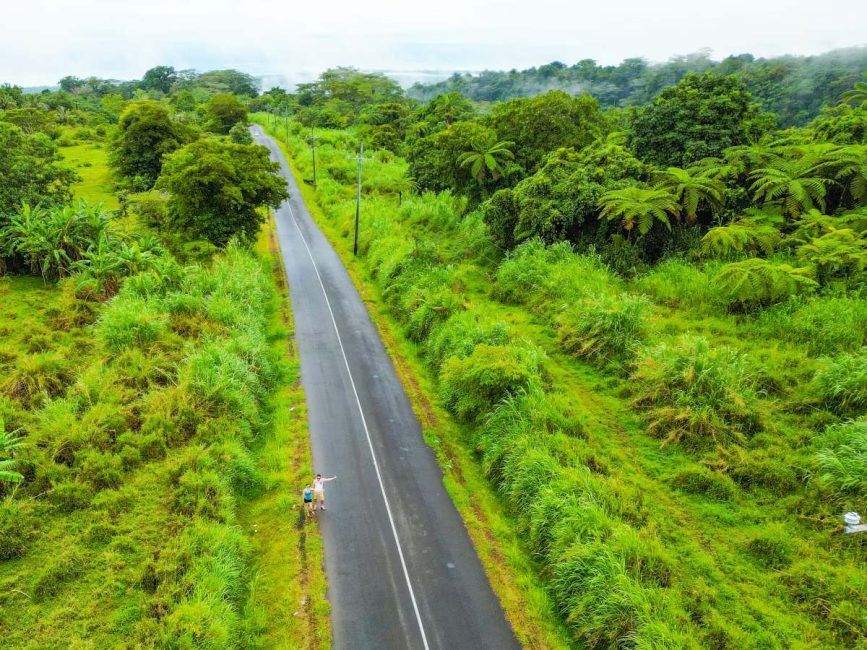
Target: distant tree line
[{"x": 792, "y": 87}]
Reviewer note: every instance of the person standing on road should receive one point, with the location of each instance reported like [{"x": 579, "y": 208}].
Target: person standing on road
[
  {"x": 308, "y": 499},
  {"x": 319, "y": 491}
]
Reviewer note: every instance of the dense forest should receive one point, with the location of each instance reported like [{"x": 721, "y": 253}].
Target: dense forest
[
  {"x": 791, "y": 87},
  {"x": 649, "y": 325},
  {"x": 646, "y": 325}
]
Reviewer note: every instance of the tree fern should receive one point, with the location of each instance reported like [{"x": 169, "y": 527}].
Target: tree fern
[
  {"x": 639, "y": 206},
  {"x": 838, "y": 253},
  {"x": 742, "y": 236},
  {"x": 757, "y": 282},
  {"x": 692, "y": 188},
  {"x": 796, "y": 184}
]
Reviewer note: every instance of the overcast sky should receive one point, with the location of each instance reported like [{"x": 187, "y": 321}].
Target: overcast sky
[{"x": 43, "y": 40}]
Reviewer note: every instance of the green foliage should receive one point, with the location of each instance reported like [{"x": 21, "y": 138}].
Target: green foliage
[
  {"x": 746, "y": 236},
  {"x": 842, "y": 383},
  {"x": 841, "y": 458},
  {"x": 696, "y": 393},
  {"x": 144, "y": 135},
  {"x": 217, "y": 189},
  {"x": 796, "y": 184},
  {"x": 29, "y": 171},
  {"x": 15, "y": 529},
  {"x": 604, "y": 330},
  {"x": 9, "y": 442},
  {"x": 692, "y": 188},
  {"x": 840, "y": 253},
  {"x": 638, "y": 206},
  {"x": 704, "y": 482},
  {"x": 757, "y": 283},
  {"x": 771, "y": 548},
  {"x": 823, "y": 325},
  {"x": 473, "y": 385},
  {"x": 487, "y": 159},
  {"x": 677, "y": 283},
  {"x": 224, "y": 111},
  {"x": 698, "y": 118},
  {"x": 542, "y": 124}
]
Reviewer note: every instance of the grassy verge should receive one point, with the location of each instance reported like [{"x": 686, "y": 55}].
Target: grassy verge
[
  {"x": 289, "y": 588},
  {"x": 507, "y": 561}
]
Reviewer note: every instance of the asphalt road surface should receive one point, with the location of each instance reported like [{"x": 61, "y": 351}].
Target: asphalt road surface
[{"x": 402, "y": 571}]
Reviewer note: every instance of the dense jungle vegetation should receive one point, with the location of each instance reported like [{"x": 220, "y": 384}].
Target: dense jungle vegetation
[
  {"x": 650, "y": 325},
  {"x": 152, "y": 433},
  {"x": 794, "y": 88}
]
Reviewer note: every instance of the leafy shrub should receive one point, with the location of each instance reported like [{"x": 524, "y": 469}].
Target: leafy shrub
[
  {"x": 842, "y": 384},
  {"x": 739, "y": 237},
  {"x": 473, "y": 385},
  {"x": 841, "y": 459},
  {"x": 706, "y": 483},
  {"x": 757, "y": 283},
  {"x": 696, "y": 393},
  {"x": 604, "y": 330}
]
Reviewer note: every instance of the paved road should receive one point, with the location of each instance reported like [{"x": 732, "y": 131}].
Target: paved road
[{"x": 402, "y": 572}]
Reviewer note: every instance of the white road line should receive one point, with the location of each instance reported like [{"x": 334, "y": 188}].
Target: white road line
[{"x": 366, "y": 431}]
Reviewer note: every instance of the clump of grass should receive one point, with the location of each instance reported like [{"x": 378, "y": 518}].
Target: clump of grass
[
  {"x": 460, "y": 334},
  {"x": 677, "y": 283},
  {"x": 825, "y": 325},
  {"x": 132, "y": 322},
  {"x": 696, "y": 393},
  {"x": 37, "y": 376},
  {"x": 473, "y": 385},
  {"x": 771, "y": 548},
  {"x": 841, "y": 459},
  {"x": 605, "y": 330},
  {"x": 842, "y": 383},
  {"x": 52, "y": 577},
  {"x": 704, "y": 482}
]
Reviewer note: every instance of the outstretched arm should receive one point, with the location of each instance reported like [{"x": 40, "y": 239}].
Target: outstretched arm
[{"x": 329, "y": 479}]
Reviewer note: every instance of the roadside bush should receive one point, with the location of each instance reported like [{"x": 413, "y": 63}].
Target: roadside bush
[
  {"x": 460, "y": 334},
  {"x": 841, "y": 459},
  {"x": 473, "y": 385},
  {"x": 696, "y": 393},
  {"x": 604, "y": 330},
  {"x": 842, "y": 384}
]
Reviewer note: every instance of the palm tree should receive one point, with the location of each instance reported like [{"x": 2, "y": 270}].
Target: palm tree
[
  {"x": 857, "y": 95},
  {"x": 641, "y": 205},
  {"x": 8, "y": 444},
  {"x": 487, "y": 158},
  {"x": 796, "y": 184},
  {"x": 692, "y": 187}
]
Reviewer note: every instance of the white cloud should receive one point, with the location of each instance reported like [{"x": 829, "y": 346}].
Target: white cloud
[{"x": 43, "y": 40}]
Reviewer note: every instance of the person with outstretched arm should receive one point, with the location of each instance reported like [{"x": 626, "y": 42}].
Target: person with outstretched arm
[{"x": 319, "y": 491}]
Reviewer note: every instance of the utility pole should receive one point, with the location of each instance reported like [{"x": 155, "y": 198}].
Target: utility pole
[
  {"x": 286, "y": 124},
  {"x": 313, "y": 137},
  {"x": 360, "y": 158}
]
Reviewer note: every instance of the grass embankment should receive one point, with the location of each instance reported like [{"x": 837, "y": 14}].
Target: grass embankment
[
  {"x": 164, "y": 446},
  {"x": 657, "y": 455}
]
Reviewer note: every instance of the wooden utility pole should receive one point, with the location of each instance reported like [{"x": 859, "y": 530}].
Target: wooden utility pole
[{"x": 360, "y": 159}]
